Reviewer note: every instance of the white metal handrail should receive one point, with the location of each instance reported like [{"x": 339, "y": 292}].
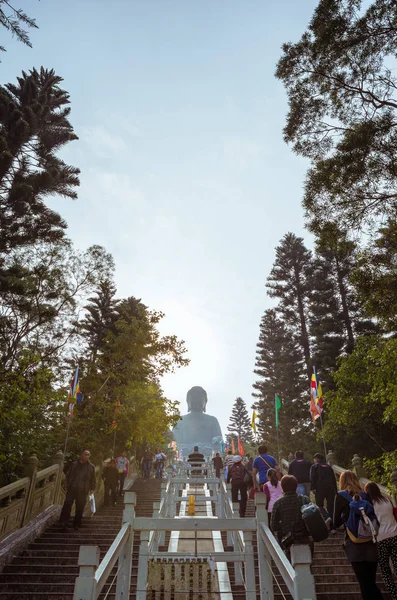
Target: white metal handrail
[
  {"x": 280, "y": 560},
  {"x": 93, "y": 574},
  {"x": 111, "y": 557}
]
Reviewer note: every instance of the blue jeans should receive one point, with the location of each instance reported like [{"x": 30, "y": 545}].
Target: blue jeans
[
  {"x": 303, "y": 489},
  {"x": 147, "y": 468},
  {"x": 159, "y": 471}
]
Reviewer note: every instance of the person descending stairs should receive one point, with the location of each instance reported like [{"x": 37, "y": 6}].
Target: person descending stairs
[{"x": 47, "y": 569}]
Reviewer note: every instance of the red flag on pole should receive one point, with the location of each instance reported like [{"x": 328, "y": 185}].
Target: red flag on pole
[
  {"x": 233, "y": 448},
  {"x": 240, "y": 447}
]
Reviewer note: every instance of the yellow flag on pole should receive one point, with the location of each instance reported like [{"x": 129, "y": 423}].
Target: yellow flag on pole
[{"x": 253, "y": 424}]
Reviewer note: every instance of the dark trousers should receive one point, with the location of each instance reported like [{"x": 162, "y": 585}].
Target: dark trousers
[
  {"x": 366, "y": 576},
  {"x": 217, "y": 472},
  {"x": 80, "y": 499},
  {"x": 387, "y": 549},
  {"x": 147, "y": 468},
  {"x": 242, "y": 488},
  {"x": 328, "y": 494},
  {"x": 110, "y": 489},
  {"x": 122, "y": 477}
]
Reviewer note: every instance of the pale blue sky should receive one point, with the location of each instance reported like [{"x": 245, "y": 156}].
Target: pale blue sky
[{"x": 185, "y": 176}]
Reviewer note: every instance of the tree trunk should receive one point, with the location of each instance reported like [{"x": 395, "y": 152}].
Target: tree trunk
[{"x": 345, "y": 309}]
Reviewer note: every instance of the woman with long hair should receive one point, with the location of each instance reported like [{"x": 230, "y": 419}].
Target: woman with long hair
[
  {"x": 387, "y": 535},
  {"x": 362, "y": 556},
  {"x": 273, "y": 490}
]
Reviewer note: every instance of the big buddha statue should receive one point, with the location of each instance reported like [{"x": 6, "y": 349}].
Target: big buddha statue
[{"x": 197, "y": 428}]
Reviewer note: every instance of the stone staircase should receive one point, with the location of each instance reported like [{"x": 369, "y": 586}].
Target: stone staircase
[
  {"x": 47, "y": 569},
  {"x": 334, "y": 577}
]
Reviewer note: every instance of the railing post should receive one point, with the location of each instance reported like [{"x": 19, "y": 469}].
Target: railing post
[
  {"x": 31, "y": 472},
  {"x": 264, "y": 558},
  {"x": 301, "y": 559},
  {"x": 143, "y": 566},
  {"x": 358, "y": 467},
  {"x": 125, "y": 559},
  {"x": 250, "y": 591},
  {"x": 238, "y": 572},
  {"x": 156, "y": 534},
  {"x": 85, "y": 584},
  {"x": 331, "y": 458},
  {"x": 59, "y": 459}
]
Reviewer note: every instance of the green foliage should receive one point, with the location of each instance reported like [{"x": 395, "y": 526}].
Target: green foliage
[
  {"x": 240, "y": 422},
  {"x": 380, "y": 469},
  {"x": 375, "y": 277},
  {"x": 280, "y": 369},
  {"x": 16, "y": 21},
  {"x": 361, "y": 413},
  {"x": 342, "y": 109},
  {"x": 58, "y": 305},
  {"x": 31, "y": 410},
  {"x": 34, "y": 127},
  {"x": 289, "y": 282}
]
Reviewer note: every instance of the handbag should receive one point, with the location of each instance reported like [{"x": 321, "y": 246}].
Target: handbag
[
  {"x": 252, "y": 493},
  {"x": 92, "y": 503}
]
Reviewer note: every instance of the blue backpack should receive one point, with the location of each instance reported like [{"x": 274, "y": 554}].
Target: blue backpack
[{"x": 362, "y": 525}]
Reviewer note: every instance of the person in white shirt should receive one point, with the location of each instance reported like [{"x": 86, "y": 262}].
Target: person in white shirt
[
  {"x": 387, "y": 535},
  {"x": 228, "y": 461},
  {"x": 159, "y": 462}
]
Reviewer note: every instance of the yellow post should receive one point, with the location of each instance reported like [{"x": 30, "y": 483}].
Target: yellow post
[{"x": 191, "y": 508}]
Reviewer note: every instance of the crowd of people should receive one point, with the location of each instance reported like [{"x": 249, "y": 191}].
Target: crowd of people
[{"x": 367, "y": 516}]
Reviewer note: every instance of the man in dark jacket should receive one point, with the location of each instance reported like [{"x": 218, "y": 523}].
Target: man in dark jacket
[
  {"x": 237, "y": 473},
  {"x": 323, "y": 482},
  {"x": 80, "y": 480},
  {"x": 111, "y": 479},
  {"x": 218, "y": 464},
  {"x": 300, "y": 469}
]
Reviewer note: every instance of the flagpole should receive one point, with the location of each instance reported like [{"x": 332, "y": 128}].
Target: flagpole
[
  {"x": 278, "y": 446},
  {"x": 114, "y": 440},
  {"x": 67, "y": 435},
  {"x": 319, "y": 411},
  {"x": 322, "y": 431}
]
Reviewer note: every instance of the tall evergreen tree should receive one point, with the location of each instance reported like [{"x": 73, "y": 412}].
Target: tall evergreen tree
[
  {"x": 34, "y": 127},
  {"x": 281, "y": 370},
  {"x": 240, "y": 423},
  {"x": 101, "y": 314},
  {"x": 289, "y": 282},
  {"x": 336, "y": 317},
  {"x": 375, "y": 278}
]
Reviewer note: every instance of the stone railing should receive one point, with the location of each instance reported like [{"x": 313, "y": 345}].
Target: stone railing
[
  {"x": 24, "y": 499},
  {"x": 358, "y": 469}
]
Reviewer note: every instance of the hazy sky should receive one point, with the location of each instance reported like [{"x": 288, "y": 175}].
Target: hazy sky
[{"x": 185, "y": 176}]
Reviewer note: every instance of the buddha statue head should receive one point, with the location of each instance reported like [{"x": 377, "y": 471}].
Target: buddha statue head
[{"x": 196, "y": 399}]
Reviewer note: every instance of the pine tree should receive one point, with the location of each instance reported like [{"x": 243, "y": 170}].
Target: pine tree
[
  {"x": 101, "y": 314},
  {"x": 289, "y": 282},
  {"x": 336, "y": 317},
  {"x": 281, "y": 370},
  {"x": 14, "y": 20},
  {"x": 34, "y": 126},
  {"x": 240, "y": 423}
]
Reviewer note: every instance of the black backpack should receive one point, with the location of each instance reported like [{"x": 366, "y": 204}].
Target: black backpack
[{"x": 237, "y": 473}]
